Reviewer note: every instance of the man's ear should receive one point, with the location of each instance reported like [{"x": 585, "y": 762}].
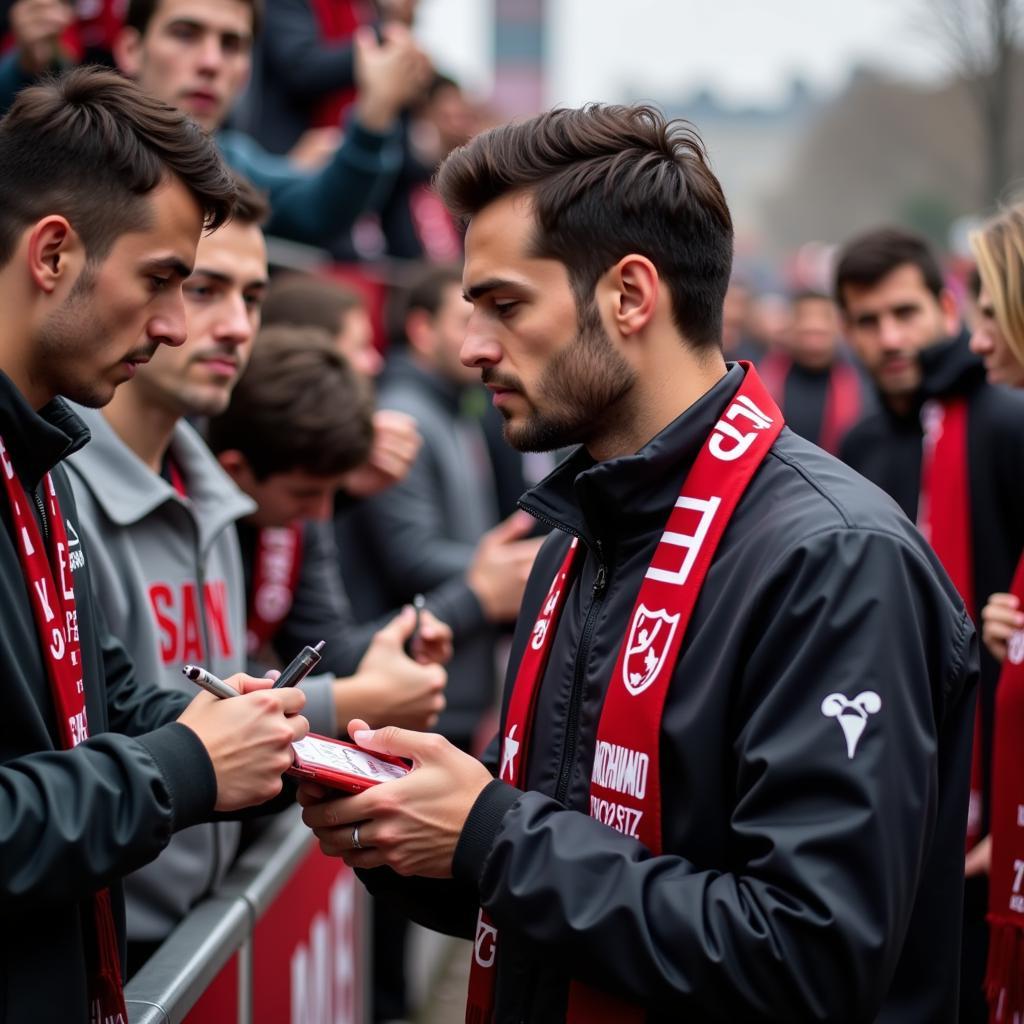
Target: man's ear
[
  {"x": 54, "y": 253},
  {"x": 127, "y": 50},
  {"x": 635, "y": 290}
]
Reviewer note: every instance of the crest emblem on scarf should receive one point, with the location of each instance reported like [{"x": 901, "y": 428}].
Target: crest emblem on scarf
[{"x": 649, "y": 641}]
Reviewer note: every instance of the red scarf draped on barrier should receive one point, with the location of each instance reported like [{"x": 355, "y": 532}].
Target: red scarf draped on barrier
[
  {"x": 625, "y": 784},
  {"x": 842, "y": 400},
  {"x": 53, "y": 607},
  {"x": 277, "y": 565},
  {"x": 1004, "y": 981},
  {"x": 944, "y": 517}
]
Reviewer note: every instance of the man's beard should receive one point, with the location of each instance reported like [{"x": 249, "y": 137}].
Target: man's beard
[{"x": 582, "y": 391}]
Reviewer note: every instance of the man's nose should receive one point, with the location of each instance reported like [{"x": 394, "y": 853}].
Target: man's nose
[
  {"x": 169, "y": 326},
  {"x": 479, "y": 348},
  {"x": 891, "y": 333},
  {"x": 236, "y": 326},
  {"x": 211, "y": 55}
]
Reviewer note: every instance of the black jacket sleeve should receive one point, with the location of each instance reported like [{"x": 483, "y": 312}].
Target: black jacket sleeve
[
  {"x": 807, "y": 921},
  {"x": 72, "y": 821}
]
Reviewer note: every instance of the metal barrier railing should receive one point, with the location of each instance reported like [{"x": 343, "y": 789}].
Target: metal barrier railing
[{"x": 200, "y": 954}]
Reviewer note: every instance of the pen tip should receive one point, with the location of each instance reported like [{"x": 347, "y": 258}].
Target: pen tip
[
  {"x": 318, "y": 646},
  {"x": 190, "y": 671}
]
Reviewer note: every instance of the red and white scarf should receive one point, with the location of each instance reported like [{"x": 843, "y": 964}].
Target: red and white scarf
[
  {"x": 277, "y": 565},
  {"x": 944, "y": 517},
  {"x": 625, "y": 785},
  {"x": 53, "y": 607},
  {"x": 842, "y": 400},
  {"x": 1004, "y": 981}
]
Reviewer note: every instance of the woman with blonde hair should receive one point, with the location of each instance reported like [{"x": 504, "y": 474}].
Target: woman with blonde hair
[{"x": 998, "y": 338}]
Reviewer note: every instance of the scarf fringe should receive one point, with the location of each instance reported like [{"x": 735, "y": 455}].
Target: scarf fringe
[{"x": 1004, "y": 977}]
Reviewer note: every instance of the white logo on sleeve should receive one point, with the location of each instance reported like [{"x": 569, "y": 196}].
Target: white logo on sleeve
[
  {"x": 508, "y": 756},
  {"x": 852, "y": 715}
]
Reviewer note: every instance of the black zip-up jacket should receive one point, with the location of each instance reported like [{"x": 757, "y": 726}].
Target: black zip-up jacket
[
  {"x": 886, "y": 448},
  {"x": 74, "y": 821},
  {"x": 796, "y": 883}
]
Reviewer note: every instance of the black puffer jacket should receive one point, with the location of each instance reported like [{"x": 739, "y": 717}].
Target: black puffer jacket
[
  {"x": 72, "y": 822},
  {"x": 796, "y": 883}
]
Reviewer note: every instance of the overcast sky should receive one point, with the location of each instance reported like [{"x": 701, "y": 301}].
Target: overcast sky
[{"x": 747, "y": 50}]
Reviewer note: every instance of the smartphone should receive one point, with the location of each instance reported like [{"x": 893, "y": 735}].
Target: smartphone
[{"x": 342, "y": 765}]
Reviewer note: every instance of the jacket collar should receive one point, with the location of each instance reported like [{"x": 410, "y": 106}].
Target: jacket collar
[
  {"x": 128, "y": 490},
  {"x": 631, "y": 494},
  {"x": 950, "y": 368},
  {"x": 37, "y": 441}
]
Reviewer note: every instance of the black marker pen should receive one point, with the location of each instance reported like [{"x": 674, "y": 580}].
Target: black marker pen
[
  {"x": 419, "y": 603},
  {"x": 300, "y": 666},
  {"x": 209, "y": 682}
]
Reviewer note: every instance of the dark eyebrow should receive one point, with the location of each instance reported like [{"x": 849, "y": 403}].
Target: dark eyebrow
[
  {"x": 491, "y": 284},
  {"x": 168, "y": 263},
  {"x": 199, "y": 26},
  {"x": 227, "y": 279},
  {"x": 184, "y": 22}
]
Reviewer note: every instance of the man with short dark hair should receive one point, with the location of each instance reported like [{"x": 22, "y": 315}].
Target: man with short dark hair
[
  {"x": 436, "y": 532},
  {"x": 158, "y": 515},
  {"x": 197, "y": 55},
  {"x": 298, "y": 420},
  {"x": 427, "y": 533},
  {"x": 714, "y": 801},
  {"x": 104, "y": 195},
  {"x": 945, "y": 444},
  {"x": 303, "y": 300},
  {"x": 819, "y": 389}
]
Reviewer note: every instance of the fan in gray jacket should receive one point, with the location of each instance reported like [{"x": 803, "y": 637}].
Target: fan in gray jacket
[
  {"x": 159, "y": 513},
  {"x": 435, "y": 531}
]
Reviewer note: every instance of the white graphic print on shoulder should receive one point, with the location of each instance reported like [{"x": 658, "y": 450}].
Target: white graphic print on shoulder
[{"x": 852, "y": 715}]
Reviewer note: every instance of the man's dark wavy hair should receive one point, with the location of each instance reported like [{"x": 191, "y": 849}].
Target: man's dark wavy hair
[
  {"x": 91, "y": 146},
  {"x": 607, "y": 181},
  {"x": 298, "y": 405}
]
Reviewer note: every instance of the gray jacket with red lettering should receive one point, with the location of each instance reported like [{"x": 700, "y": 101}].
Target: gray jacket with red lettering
[
  {"x": 168, "y": 574},
  {"x": 74, "y": 821},
  {"x": 805, "y": 875}
]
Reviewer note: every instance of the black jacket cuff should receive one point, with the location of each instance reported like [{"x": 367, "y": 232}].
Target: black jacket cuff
[
  {"x": 481, "y": 828},
  {"x": 187, "y": 771}
]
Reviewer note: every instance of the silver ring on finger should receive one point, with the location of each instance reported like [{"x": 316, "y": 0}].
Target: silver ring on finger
[{"x": 356, "y": 845}]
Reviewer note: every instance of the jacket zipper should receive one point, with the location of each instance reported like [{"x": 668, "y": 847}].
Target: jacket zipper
[
  {"x": 579, "y": 672},
  {"x": 41, "y": 507},
  {"x": 597, "y": 592}
]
